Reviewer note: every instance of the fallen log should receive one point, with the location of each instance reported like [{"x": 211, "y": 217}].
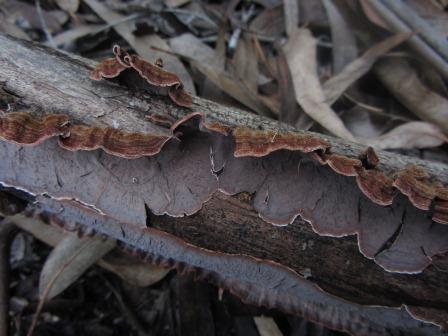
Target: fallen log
[{"x": 89, "y": 147}]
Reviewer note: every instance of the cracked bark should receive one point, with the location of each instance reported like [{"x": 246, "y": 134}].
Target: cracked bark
[{"x": 225, "y": 223}]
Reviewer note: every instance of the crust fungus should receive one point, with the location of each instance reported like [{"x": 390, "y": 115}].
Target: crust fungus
[
  {"x": 276, "y": 168},
  {"x": 25, "y": 129},
  {"x": 262, "y": 283},
  {"x": 154, "y": 74}
]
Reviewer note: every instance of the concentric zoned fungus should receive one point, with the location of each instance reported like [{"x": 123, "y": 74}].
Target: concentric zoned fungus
[{"x": 154, "y": 74}]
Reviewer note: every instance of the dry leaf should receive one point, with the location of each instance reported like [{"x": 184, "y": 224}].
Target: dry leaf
[
  {"x": 71, "y": 35},
  {"x": 233, "y": 87},
  {"x": 343, "y": 39},
  {"x": 133, "y": 270},
  {"x": 203, "y": 60},
  {"x": 336, "y": 85},
  {"x": 416, "y": 134},
  {"x": 245, "y": 63},
  {"x": 70, "y": 258},
  {"x": 143, "y": 44},
  {"x": 300, "y": 53},
  {"x": 403, "y": 82},
  {"x": 70, "y": 6},
  {"x": 266, "y": 326},
  {"x": 269, "y": 23},
  {"x": 130, "y": 269},
  {"x": 372, "y": 14},
  {"x": 289, "y": 110}
]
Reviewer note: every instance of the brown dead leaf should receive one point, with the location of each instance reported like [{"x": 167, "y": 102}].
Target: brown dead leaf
[
  {"x": 336, "y": 85},
  {"x": 143, "y": 44},
  {"x": 245, "y": 61},
  {"x": 403, "y": 82},
  {"x": 71, "y": 257},
  {"x": 416, "y": 134},
  {"x": 300, "y": 54}
]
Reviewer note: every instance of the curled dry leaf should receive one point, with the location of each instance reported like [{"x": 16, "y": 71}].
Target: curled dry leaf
[
  {"x": 300, "y": 54},
  {"x": 403, "y": 82},
  {"x": 417, "y": 134},
  {"x": 70, "y": 258}
]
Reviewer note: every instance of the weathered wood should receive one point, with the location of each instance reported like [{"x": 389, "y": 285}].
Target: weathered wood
[{"x": 50, "y": 81}]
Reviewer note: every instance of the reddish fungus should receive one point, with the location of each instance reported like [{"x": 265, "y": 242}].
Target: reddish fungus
[
  {"x": 179, "y": 96},
  {"x": 369, "y": 158},
  {"x": 343, "y": 165},
  {"x": 25, "y": 129},
  {"x": 414, "y": 182},
  {"x": 108, "y": 68},
  {"x": 376, "y": 186},
  {"x": 250, "y": 142},
  {"x": 113, "y": 141},
  {"x": 154, "y": 74}
]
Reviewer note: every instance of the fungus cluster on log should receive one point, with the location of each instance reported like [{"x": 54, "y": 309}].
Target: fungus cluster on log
[{"x": 104, "y": 179}]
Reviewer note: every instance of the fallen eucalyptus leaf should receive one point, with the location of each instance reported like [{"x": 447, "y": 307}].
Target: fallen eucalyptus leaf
[
  {"x": 68, "y": 261},
  {"x": 300, "y": 54},
  {"x": 415, "y": 134},
  {"x": 403, "y": 82}
]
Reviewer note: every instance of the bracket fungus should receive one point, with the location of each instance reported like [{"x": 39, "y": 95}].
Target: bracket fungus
[
  {"x": 108, "y": 177},
  {"x": 154, "y": 74},
  {"x": 262, "y": 283},
  {"x": 175, "y": 175}
]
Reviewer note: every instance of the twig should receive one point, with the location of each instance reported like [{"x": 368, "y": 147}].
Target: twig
[
  {"x": 7, "y": 233},
  {"x": 44, "y": 25}
]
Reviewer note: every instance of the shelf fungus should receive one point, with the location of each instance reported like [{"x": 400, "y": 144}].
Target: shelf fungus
[
  {"x": 154, "y": 74},
  {"x": 110, "y": 170},
  {"x": 177, "y": 173},
  {"x": 255, "y": 281}
]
